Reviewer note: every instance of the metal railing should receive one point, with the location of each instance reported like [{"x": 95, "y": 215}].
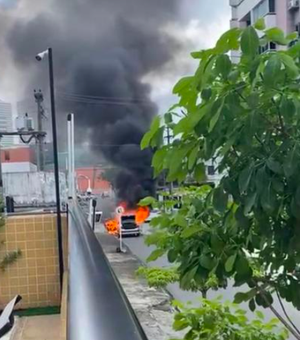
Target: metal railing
[{"x": 98, "y": 308}]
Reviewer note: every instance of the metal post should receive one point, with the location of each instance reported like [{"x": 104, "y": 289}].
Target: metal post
[
  {"x": 56, "y": 167},
  {"x": 70, "y": 188},
  {"x": 1, "y": 182},
  {"x": 73, "y": 175},
  {"x": 39, "y": 98}
]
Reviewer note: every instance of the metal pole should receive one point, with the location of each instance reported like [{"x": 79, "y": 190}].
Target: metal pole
[
  {"x": 73, "y": 175},
  {"x": 70, "y": 189},
  {"x": 2, "y": 203},
  {"x": 39, "y": 98},
  {"x": 56, "y": 168}
]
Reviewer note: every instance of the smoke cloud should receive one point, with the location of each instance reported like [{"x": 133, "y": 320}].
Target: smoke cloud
[{"x": 103, "y": 49}]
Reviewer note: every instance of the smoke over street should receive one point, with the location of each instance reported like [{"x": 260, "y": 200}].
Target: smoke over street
[{"x": 103, "y": 49}]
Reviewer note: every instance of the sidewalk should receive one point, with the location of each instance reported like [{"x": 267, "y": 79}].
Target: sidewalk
[{"x": 46, "y": 327}]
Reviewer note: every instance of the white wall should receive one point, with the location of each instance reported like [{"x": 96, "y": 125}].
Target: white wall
[
  {"x": 33, "y": 188},
  {"x": 18, "y": 167},
  {"x": 245, "y": 7}
]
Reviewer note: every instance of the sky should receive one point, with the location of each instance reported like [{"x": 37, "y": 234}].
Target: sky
[{"x": 202, "y": 22}]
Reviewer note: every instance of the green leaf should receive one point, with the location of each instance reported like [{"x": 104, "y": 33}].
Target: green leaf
[
  {"x": 274, "y": 166},
  {"x": 157, "y": 253},
  {"x": 218, "y": 106},
  {"x": 229, "y": 41},
  {"x": 168, "y": 118},
  {"x": 150, "y": 134},
  {"x": 147, "y": 201},
  {"x": 249, "y": 42},
  {"x": 268, "y": 199},
  {"x": 199, "y": 173},
  {"x": 220, "y": 199},
  {"x": 172, "y": 255},
  {"x": 188, "y": 232},
  {"x": 193, "y": 157},
  {"x": 240, "y": 297},
  {"x": 260, "y": 315},
  {"x": 290, "y": 163},
  {"x": 206, "y": 262},
  {"x": 250, "y": 201},
  {"x": 223, "y": 65},
  {"x": 260, "y": 24},
  {"x": 252, "y": 305},
  {"x": 244, "y": 179},
  {"x": 272, "y": 70},
  {"x": 276, "y": 35},
  {"x": 180, "y": 220},
  {"x": 158, "y": 159},
  {"x": 182, "y": 84},
  {"x": 289, "y": 64},
  {"x": 230, "y": 263},
  {"x": 206, "y": 94},
  {"x": 287, "y": 109},
  {"x": 253, "y": 100}
]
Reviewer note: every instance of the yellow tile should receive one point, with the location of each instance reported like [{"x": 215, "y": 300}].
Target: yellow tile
[
  {"x": 33, "y": 298},
  {"x": 50, "y": 244},
  {"x": 39, "y": 226},
  {"x": 4, "y": 291},
  {"x": 40, "y": 261},
  {"x": 13, "y": 282},
  {"x": 14, "y": 290},
  {"x": 41, "y": 280},
  {"x": 21, "y": 236},
  {"x": 52, "y": 279},
  {"x": 30, "y": 245},
  {"x": 4, "y": 282},
  {"x": 49, "y": 235},
  {"x": 42, "y": 289},
  {"x": 23, "y": 272},
  {"x": 33, "y": 281},
  {"x": 32, "y": 271},
  {"x": 11, "y": 237},
  {"x": 29, "y": 228},
  {"x": 41, "y": 271},
  {"x": 21, "y": 228},
  {"x": 11, "y": 246},
  {"x": 31, "y": 263},
  {"x": 33, "y": 289},
  {"x": 30, "y": 253},
  {"x": 13, "y": 272},
  {"x": 23, "y": 290}
]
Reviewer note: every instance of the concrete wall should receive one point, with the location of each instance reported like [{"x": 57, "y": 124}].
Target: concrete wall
[
  {"x": 18, "y": 167},
  {"x": 33, "y": 188},
  {"x": 35, "y": 275}
]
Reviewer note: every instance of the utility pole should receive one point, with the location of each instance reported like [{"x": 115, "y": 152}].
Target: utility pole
[
  {"x": 39, "y": 98},
  {"x": 168, "y": 137}
]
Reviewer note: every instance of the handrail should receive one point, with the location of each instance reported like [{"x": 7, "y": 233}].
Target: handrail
[{"x": 98, "y": 308}]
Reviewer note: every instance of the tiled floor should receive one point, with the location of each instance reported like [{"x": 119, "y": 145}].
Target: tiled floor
[{"x": 38, "y": 328}]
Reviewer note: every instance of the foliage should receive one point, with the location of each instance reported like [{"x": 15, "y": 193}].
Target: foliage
[
  {"x": 246, "y": 115},
  {"x": 224, "y": 321},
  {"x": 158, "y": 277},
  {"x": 9, "y": 258}
]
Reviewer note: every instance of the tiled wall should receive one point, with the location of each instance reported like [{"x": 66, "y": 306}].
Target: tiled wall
[{"x": 35, "y": 275}]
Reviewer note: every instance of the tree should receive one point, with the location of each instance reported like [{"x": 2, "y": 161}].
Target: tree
[{"x": 246, "y": 115}]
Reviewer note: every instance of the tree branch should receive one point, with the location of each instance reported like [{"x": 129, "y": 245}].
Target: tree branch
[
  {"x": 285, "y": 312},
  {"x": 276, "y": 313},
  {"x": 279, "y": 117}
]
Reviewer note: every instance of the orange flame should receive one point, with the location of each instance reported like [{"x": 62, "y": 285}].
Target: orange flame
[{"x": 141, "y": 214}]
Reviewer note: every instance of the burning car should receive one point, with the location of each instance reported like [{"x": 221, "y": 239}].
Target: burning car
[{"x": 130, "y": 221}]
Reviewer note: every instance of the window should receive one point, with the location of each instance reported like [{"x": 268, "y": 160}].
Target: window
[
  {"x": 263, "y": 8},
  {"x": 268, "y": 47},
  {"x": 211, "y": 170}
]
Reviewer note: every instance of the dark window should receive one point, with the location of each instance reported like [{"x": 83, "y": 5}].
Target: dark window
[
  {"x": 211, "y": 170},
  {"x": 6, "y": 155},
  {"x": 272, "y": 6}
]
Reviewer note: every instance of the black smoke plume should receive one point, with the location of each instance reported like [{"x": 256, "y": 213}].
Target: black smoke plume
[{"x": 102, "y": 50}]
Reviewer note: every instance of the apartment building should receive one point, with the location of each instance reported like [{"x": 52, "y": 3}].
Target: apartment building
[
  {"x": 284, "y": 14},
  {"x": 6, "y": 123}
]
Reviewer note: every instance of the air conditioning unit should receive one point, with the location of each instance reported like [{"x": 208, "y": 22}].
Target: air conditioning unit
[{"x": 293, "y": 4}]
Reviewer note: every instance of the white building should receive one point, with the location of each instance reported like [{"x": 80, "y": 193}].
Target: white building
[
  {"x": 284, "y": 14},
  {"x": 6, "y": 123}
]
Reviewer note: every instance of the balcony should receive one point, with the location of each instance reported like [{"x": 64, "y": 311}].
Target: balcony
[
  {"x": 235, "y": 3},
  {"x": 270, "y": 20}
]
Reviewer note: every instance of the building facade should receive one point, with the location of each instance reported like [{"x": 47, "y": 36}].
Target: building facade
[
  {"x": 284, "y": 14},
  {"x": 6, "y": 123}
]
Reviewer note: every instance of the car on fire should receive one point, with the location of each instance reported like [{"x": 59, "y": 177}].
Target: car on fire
[{"x": 129, "y": 226}]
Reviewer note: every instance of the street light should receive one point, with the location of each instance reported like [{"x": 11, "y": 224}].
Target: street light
[{"x": 40, "y": 57}]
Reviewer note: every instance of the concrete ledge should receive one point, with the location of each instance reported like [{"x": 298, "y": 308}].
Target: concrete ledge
[{"x": 152, "y": 306}]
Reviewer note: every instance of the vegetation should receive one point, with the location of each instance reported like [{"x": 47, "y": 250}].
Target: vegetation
[
  {"x": 247, "y": 117},
  {"x": 226, "y": 321},
  {"x": 9, "y": 257}
]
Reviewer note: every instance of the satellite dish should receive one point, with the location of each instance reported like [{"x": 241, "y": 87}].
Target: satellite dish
[{"x": 120, "y": 210}]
